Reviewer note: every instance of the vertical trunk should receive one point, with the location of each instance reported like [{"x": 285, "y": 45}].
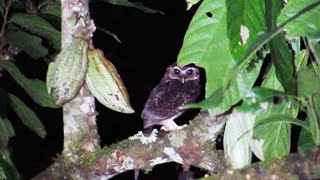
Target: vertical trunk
[{"x": 79, "y": 115}]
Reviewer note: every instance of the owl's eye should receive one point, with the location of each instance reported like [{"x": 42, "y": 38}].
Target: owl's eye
[
  {"x": 176, "y": 71},
  {"x": 190, "y": 72}
]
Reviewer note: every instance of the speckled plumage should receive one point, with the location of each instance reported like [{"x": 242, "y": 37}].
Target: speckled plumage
[{"x": 174, "y": 90}]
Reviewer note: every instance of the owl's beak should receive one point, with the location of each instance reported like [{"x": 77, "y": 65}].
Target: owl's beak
[{"x": 183, "y": 79}]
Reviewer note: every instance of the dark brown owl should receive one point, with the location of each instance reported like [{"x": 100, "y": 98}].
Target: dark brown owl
[{"x": 179, "y": 86}]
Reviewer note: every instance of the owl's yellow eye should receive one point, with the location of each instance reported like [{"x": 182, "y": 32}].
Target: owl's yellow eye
[
  {"x": 176, "y": 71},
  {"x": 190, "y": 72}
]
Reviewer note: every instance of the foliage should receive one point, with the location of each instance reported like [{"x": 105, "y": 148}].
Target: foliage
[
  {"x": 34, "y": 28},
  {"x": 231, "y": 39},
  {"x": 261, "y": 58}
]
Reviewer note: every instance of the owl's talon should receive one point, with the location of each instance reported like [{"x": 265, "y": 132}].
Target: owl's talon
[{"x": 170, "y": 125}]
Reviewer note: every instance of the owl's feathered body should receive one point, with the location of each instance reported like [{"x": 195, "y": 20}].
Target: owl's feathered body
[{"x": 179, "y": 86}]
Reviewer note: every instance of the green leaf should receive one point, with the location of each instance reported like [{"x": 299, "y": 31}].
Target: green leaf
[
  {"x": 37, "y": 25},
  {"x": 51, "y": 8},
  {"x": 136, "y": 5},
  {"x": 27, "y": 42},
  {"x": 313, "y": 112},
  {"x": 212, "y": 101},
  {"x": 254, "y": 99},
  {"x": 6, "y": 131},
  {"x": 27, "y": 116},
  {"x": 200, "y": 47},
  {"x": 282, "y": 59},
  {"x": 280, "y": 118},
  {"x": 315, "y": 46},
  {"x": 307, "y": 24},
  {"x": 9, "y": 170},
  {"x": 301, "y": 59},
  {"x": 36, "y": 89},
  {"x": 276, "y": 136},
  {"x": 281, "y": 55},
  {"x": 308, "y": 82},
  {"x": 244, "y": 15},
  {"x": 305, "y": 140},
  {"x": 3, "y": 102},
  {"x": 114, "y": 36}
]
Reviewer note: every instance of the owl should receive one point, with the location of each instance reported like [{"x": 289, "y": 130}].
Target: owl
[{"x": 179, "y": 86}]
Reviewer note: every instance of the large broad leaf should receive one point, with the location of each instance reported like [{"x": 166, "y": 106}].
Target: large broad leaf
[
  {"x": 136, "y": 5},
  {"x": 6, "y": 131},
  {"x": 206, "y": 44},
  {"x": 39, "y": 26},
  {"x": 264, "y": 38},
  {"x": 307, "y": 24},
  {"x": 27, "y": 42},
  {"x": 27, "y": 116},
  {"x": 36, "y": 89},
  {"x": 276, "y": 136},
  {"x": 245, "y": 19},
  {"x": 9, "y": 170}
]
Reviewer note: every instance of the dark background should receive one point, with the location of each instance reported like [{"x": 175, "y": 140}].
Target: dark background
[{"x": 150, "y": 42}]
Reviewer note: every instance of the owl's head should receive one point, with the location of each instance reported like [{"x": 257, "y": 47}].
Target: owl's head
[{"x": 184, "y": 74}]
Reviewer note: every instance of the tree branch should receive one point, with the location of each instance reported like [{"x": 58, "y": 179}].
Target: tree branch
[
  {"x": 302, "y": 165},
  {"x": 193, "y": 145}
]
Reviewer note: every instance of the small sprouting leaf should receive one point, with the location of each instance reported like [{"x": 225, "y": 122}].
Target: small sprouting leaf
[
  {"x": 307, "y": 24},
  {"x": 301, "y": 59},
  {"x": 27, "y": 116},
  {"x": 38, "y": 25},
  {"x": 308, "y": 82},
  {"x": 51, "y": 8},
  {"x": 114, "y": 36},
  {"x": 36, "y": 89},
  {"x": 136, "y": 5},
  {"x": 6, "y": 131},
  {"x": 27, "y": 42}
]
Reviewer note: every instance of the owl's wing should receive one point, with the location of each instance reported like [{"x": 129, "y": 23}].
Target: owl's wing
[{"x": 165, "y": 99}]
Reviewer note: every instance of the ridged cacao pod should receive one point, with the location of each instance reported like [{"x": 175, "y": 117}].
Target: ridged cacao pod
[
  {"x": 105, "y": 83},
  {"x": 68, "y": 72}
]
